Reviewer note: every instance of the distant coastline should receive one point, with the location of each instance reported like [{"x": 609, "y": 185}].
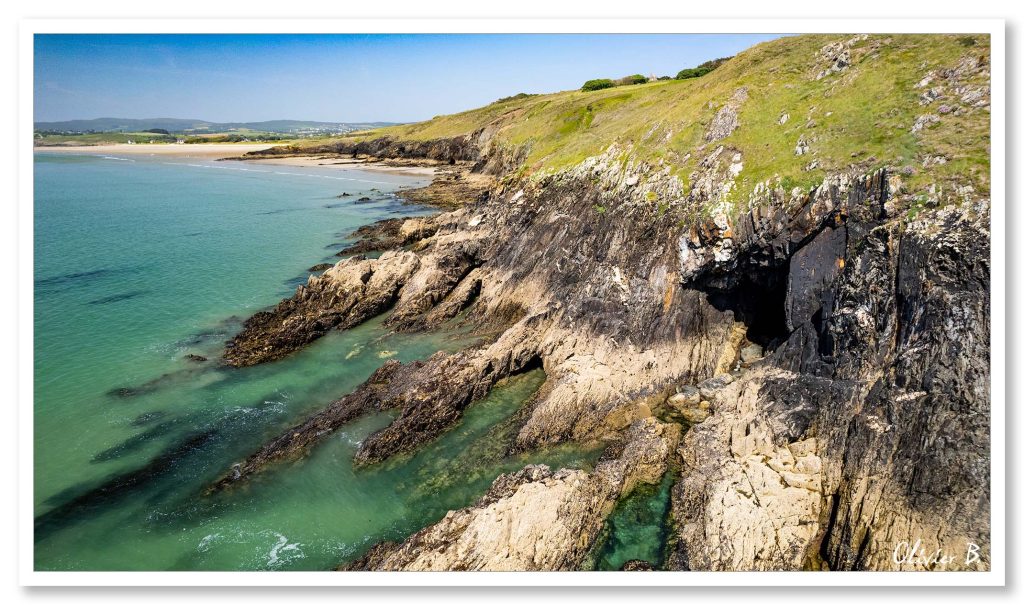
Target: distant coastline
[
  {"x": 205, "y": 150},
  {"x": 221, "y": 151}
]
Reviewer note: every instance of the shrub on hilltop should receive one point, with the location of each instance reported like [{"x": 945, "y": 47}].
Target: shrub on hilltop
[
  {"x": 702, "y": 69},
  {"x": 598, "y": 84}
]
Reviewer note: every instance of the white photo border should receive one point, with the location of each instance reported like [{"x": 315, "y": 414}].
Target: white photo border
[{"x": 27, "y": 574}]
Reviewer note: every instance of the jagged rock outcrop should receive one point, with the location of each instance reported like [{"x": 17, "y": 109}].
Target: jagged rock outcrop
[
  {"x": 798, "y": 463},
  {"x": 782, "y": 467},
  {"x": 431, "y": 396},
  {"x": 727, "y": 119},
  {"x": 345, "y": 295},
  {"x": 604, "y": 316},
  {"x": 535, "y": 519},
  {"x": 389, "y": 234}
]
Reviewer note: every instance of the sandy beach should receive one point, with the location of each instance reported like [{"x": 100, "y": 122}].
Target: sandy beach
[
  {"x": 304, "y": 161},
  {"x": 216, "y": 151},
  {"x": 189, "y": 150}
]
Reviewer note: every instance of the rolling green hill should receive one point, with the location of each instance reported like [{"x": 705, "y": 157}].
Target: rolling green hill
[{"x": 801, "y": 107}]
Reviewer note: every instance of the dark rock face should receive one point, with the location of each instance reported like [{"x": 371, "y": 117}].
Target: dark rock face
[
  {"x": 432, "y": 398},
  {"x": 873, "y": 410}
]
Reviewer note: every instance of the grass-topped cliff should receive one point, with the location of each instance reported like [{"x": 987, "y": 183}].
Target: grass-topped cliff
[
  {"x": 798, "y": 108},
  {"x": 809, "y": 338}
]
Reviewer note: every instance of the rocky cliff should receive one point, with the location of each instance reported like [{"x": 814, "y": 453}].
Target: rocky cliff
[{"x": 826, "y": 344}]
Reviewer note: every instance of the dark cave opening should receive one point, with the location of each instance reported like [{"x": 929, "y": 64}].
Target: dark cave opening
[
  {"x": 758, "y": 300},
  {"x": 535, "y": 362}
]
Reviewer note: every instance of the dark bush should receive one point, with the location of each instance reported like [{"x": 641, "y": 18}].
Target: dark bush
[
  {"x": 516, "y": 97},
  {"x": 692, "y": 72},
  {"x": 633, "y": 79},
  {"x": 702, "y": 69},
  {"x": 597, "y": 84}
]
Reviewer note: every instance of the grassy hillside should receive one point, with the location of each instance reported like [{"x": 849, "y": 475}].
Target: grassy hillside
[{"x": 861, "y": 117}]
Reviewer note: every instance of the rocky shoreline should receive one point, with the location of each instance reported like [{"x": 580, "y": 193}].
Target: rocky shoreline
[{"x": 827, "y": 350}]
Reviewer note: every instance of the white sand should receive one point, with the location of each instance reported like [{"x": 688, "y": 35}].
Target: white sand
[{"x": 346, "y": 163}]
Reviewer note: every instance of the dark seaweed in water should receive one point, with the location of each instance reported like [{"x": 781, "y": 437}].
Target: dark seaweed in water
[
  {"x": 280, "y": 211},
  {"x": 226, "y": 327},
  {"x": 106, "y": 300},
  {"x": 121, "y": 485},
  {"x": 82, "y": 277},
  {"x": 205, "y": 437},
  {"x": 136, "y": 441},
  {"x": 156, "y": 383},
  {"x": 295, "y": 282}
]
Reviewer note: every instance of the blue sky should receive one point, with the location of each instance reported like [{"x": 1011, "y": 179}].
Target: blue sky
[{"x": 343, "y": 78}]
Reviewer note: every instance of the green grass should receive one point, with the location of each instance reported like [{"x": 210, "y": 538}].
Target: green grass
[
  {"x": 857, "y": 120},
  {"x": 101, "y": 138}
]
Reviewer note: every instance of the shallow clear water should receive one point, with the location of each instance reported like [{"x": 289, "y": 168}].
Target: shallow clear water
[
  {"x": 637, "y": 528},
  {"x": 140, "y": 263}
]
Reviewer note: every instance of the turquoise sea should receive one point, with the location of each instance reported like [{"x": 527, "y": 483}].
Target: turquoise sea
[{"x": 141, "y": 261}]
